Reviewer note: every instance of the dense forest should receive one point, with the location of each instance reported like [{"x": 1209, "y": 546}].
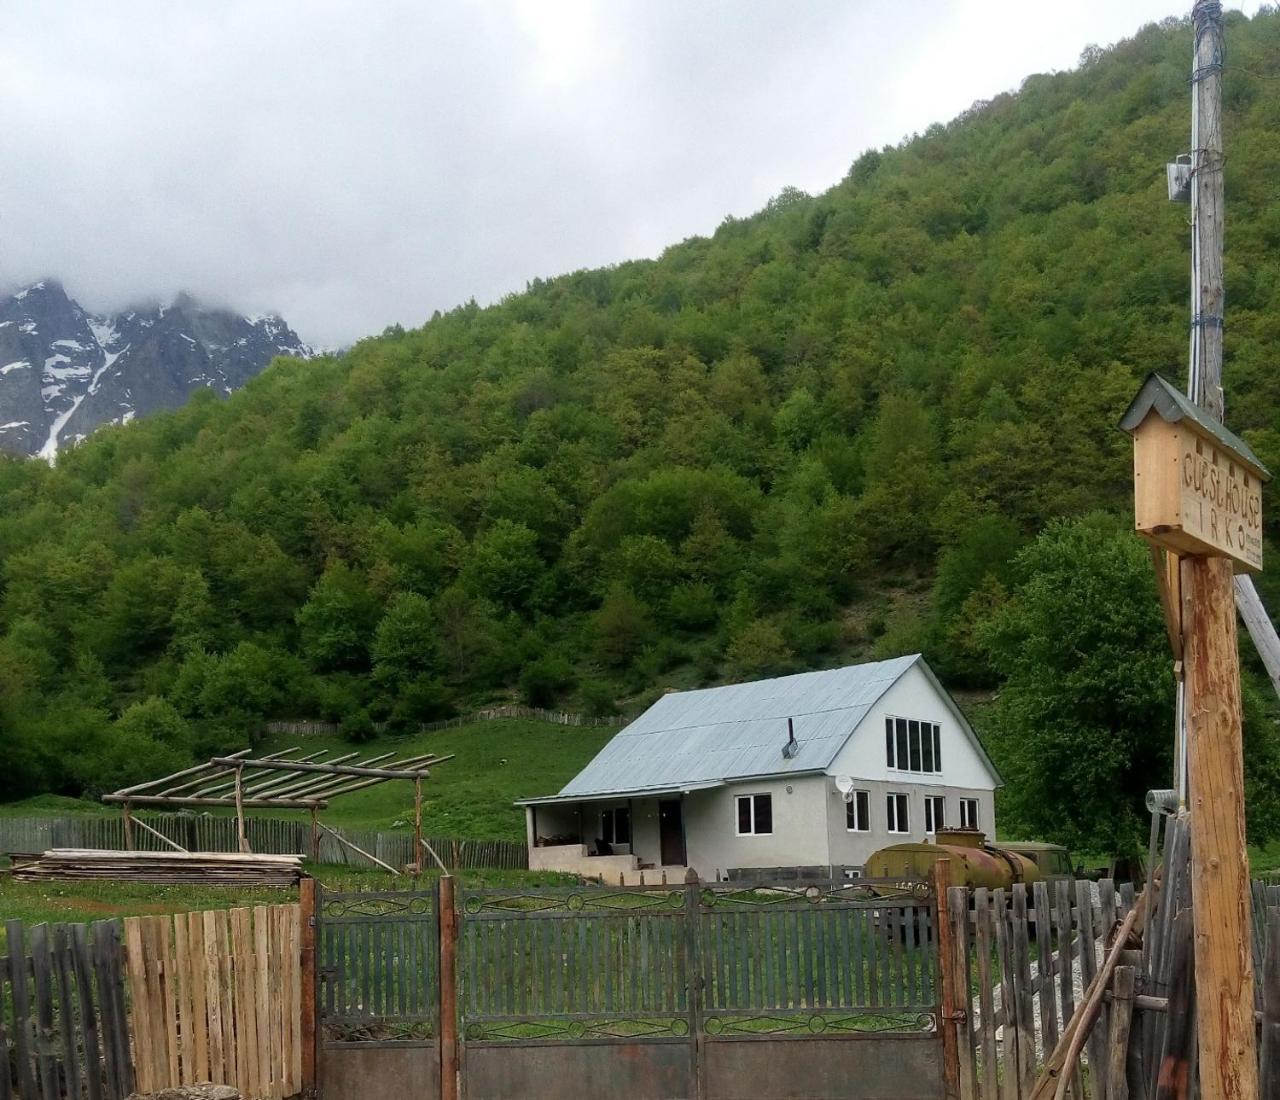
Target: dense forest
[{"x": 825, "y": 431}]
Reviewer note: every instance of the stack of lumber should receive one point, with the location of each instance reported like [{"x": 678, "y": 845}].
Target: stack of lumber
[{"x": 204, "y": 868}]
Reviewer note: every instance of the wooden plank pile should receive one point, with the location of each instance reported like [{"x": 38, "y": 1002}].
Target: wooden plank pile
[{"x": 205, "y": 868}]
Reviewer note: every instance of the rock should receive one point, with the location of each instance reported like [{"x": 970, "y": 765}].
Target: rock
[{"x": 191, "y": 1092}]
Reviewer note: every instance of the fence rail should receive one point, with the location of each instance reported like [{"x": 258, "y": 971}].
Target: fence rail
[{"x": 278, "y": 836}]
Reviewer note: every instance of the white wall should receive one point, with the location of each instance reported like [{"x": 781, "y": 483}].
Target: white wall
[
  {"x": 852, "y": 848},
  {"x": 799, "y": 837},
  {"x": 914, "y": 696}
]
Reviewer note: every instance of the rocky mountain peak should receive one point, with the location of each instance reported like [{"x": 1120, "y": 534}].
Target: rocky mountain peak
[{"x": 64, "y": 372}]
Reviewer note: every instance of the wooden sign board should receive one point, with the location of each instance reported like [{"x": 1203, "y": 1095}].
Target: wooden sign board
[{"x": 1197, "y": 487}]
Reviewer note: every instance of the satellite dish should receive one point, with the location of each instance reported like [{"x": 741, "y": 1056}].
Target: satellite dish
[{"x": 844, "y": 783}]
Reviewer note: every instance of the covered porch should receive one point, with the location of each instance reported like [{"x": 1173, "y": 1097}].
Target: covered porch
[{"x": 620, "y": 838}]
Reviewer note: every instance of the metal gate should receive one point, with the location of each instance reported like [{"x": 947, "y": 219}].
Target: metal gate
[
  {"x": 713, "y": 991},
  {"x": 378, "y": 994},
  {"x": 709, "y": 991}
]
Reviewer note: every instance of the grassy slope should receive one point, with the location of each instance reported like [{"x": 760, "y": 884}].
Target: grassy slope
[{"x": 494, "y": 763}]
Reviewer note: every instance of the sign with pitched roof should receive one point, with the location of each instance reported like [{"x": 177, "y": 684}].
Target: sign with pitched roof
[{"x": 1197, "y": 486}]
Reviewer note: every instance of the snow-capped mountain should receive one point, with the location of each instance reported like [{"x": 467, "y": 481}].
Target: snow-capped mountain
[{"x": 65, "y": 372}]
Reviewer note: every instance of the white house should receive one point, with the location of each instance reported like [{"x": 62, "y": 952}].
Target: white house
[{"x": 816, "y": 770}]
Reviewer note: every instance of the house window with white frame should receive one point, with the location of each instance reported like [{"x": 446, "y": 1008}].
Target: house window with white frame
[
  {"x": 857, "y": 812},
  {"x": 935, "y": 807},
  {"x": 913, "y": 746},
  {"x": 969, "y": 813},
  {"x": 898, "y": 818},
  {"x": 755, "y": 814}
]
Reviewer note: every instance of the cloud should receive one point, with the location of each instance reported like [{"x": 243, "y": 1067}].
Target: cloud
[{"x": 354, "y": 164}]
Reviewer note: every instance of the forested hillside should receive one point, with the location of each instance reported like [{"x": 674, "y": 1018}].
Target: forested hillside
[{"x": 821, "y": 432}]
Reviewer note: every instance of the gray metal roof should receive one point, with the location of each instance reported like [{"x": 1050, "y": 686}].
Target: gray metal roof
[
  {"x": 1172, "y": 405},
  {"x": 737, "y": 731}
]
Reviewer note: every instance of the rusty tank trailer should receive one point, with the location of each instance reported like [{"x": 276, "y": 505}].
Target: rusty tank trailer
[{"x": 974, "y": 862}]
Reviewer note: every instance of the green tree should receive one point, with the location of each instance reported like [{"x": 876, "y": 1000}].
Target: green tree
[
  {"x": 1082, "y": 726},
  {"x": 338, "y": 619}
]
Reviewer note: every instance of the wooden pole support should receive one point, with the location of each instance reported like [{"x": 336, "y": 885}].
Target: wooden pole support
[
  {"x": 1219, "y": 864},
  {"x": 307, "y": 1009},
  {"x": 950, "y": 1006},
  {"x": 127, "y": 814},
  {"x": 241, "y": 837},
  {"x": 417, "y": 826},
  {"x": 448, "y": 989},
  {"x": 1118, "y": 1048}
]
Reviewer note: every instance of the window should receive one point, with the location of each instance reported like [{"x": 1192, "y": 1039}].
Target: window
[
  {"x": 857, "y": 813},
  {"x": 968, "y": 813},
  {"x": 898, "y": 818},
  {"x": 912, "y": 746},
  {"x": 934, "y": 812},
  {"x": 755, "y": 814},
  {"x": 615, "y": 826}
]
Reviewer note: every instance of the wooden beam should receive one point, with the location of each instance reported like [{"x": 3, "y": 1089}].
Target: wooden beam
[
  {"x": 1169, "y": 585},
  {"x": 329, "y": 769},
  {"x": 439, "y": 862},
  {"x": 193, "y": 800},
  {"x": 359, "y": 851},
  {"x": 175, "y": 775},
  {"x": 307, "y": 1009},
  {"x": 241, "y": 838},
  {"x": 417, "y": 826},
  {"x": 157, "y": 833}
]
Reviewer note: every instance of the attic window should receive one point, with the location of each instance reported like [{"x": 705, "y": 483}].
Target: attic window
[{"x": 912, "y": 746}]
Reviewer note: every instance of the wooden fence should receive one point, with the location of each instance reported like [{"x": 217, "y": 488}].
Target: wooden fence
[
  {"x": 217, "y": 996},
  {"x": 306, "y": 727},
  {"x": 281, "y": 836},
  {"x": 1028, "y": 956},
  {"x": 63, "y": 1025}
]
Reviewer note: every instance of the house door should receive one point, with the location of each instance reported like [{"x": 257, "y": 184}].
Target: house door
[{"x": 671, "y": 832}]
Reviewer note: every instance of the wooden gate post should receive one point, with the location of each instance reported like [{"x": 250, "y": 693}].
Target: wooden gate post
[
  {"x": 448, "y": 918},
  {"x": 307, "y": 1010},
  {"x": 948, "y": 1005}
]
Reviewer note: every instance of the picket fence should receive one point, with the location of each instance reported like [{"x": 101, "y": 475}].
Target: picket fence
[
  {"x": 151, "y": 1003},
  {"x": 217, "y": 996},
  {"x": 279, "y": 836}
]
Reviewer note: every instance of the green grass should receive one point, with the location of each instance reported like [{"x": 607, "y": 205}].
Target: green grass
[
  {"x": 36, "y": 902},
  {"x": 51, "y": 805}
]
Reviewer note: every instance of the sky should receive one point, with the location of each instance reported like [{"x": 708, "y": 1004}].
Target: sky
[{"x": 357, "y": 163}]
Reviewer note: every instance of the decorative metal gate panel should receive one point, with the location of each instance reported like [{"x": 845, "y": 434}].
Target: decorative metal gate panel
[
  {"x": 822, "y": 990},
  {"x": 378, "y": 993},
  {"x": 576, "y": 991}
]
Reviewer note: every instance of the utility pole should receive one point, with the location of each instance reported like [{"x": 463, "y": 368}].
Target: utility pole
[{"x": 1214, "y": 752}]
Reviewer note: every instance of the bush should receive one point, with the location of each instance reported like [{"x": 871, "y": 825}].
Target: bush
[
  {"x": 543, "y": 681},
  {"x": 358, "y": 728},
  {"x": 598, "y": 698}
]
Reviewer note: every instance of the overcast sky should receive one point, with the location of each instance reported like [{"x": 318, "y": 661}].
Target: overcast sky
[{"x": 354, "y": 163}]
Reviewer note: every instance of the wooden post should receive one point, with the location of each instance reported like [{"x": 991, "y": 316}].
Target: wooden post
[
  {"x": 241, "y": 837},
  {"x": 127, "y": 813},
  {"x": 417, "y": 826},
  {"x": 1174, "y": 1075},
  {"x": 448, "y": 989},
  {"x": 1219, "y": 864},
  {"x": 310, "y": 1040},
  {"x": 1219, "y": 868},
  {"x": 315, "y": 836},
  {"x": 1121, "y": 1018},
  {"x": 948, "y": 981}
]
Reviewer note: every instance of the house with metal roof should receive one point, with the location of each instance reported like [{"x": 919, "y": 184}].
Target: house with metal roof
[{"x": 812, "y": 771}]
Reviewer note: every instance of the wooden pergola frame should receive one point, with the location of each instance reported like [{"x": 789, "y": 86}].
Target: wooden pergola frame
[{"x": 282, "y": 781}]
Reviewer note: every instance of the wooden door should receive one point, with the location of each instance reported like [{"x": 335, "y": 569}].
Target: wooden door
[{"x": 671, "y": 832}]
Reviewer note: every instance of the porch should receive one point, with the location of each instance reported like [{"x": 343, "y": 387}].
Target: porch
[{"x": 616, "y": 839}]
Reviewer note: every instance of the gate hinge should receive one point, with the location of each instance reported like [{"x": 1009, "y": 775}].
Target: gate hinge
[
  {"x": 959, "y": 1016},
  {"x": 311, "y": 922}
]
